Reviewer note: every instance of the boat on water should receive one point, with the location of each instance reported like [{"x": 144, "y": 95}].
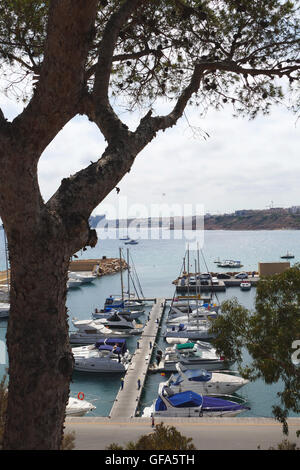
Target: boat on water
[
  {"x": 191, "y": 405},
  {"x": 132, "y": 242},
  {"x": 287, "y": 256},
  {"x": 182, "y": 306},
  {"x": 78, "y": 407},
  {"x": 229, "y": 263},
  {"x": 83, "y": 278},
  {"x": 190, "y": 356},
  {"x": 245, "y": 285},
  {"x": 203, "y": 382},
  {"x": 73, "y": 283},
  {"x": 128, "y": 314},
  {"x": 176, "y": 316},
  {"x": 4, "y": 309},
  {"x": 125, "y": 303},
  {"x": 125, "y": 238},
  {"x": 108, "y": 355},
  {"x": 89, "y": 332},
  {"x": 127, "y": 300},
  {"x": 199, "y": 331},
  {"x": 117, "y": 321}
]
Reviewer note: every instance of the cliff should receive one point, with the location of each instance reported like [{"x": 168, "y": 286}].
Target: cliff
[{"x": 254, "y": 220}]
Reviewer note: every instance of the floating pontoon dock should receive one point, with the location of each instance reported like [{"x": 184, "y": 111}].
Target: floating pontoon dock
[{"x": 127, "y": 400}]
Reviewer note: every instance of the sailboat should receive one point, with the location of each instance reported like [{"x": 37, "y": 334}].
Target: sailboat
[
  {"x": 192, "y": 327},
  {"x": 127, "y": 300},
  {"x": 287, "y": 256}
]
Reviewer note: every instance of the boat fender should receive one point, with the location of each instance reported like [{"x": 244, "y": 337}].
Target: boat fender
[{"x": 80, "y": 396}]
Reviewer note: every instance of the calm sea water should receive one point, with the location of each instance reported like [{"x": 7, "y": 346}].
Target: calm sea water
[{"x": 158, "y": 261}]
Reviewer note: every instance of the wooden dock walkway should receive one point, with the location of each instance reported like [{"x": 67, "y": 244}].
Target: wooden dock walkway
[{"x": 127, "y": 400}]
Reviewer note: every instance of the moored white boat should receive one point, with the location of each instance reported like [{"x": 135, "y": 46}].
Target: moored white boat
[
  {"x": 89, "y": 332},
  {"x": 73, "y": 283},
  {"x": 128, "y": 314},
  {"x": 83, "y": 278},
  {"x": 190, "y": 356},
  {"x": 4, "y": 309},
  {"x": 200, "y": 331},
  {"x": 203, "y": 382},
  {"x": 77, "y": 407},
  {"x": 108, "y": 355},
  {"x": 117, "y": 321},
  {"x": 245, "y": 285},
  {"x": 192, "y": 405}
]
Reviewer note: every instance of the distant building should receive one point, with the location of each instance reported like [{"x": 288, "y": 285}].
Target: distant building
[
  {"x": 240, "y": 213},
  {"x": 294, "y": 209}
]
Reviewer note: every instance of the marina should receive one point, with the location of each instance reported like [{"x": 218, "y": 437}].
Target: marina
[{"x": 157, "y": 266}]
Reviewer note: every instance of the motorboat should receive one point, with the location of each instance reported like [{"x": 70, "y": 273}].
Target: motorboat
[
  {"x": 191, "y": 356},
  {"x": 198, "y": 331},
  {"x": 190, "y": 404},
  {"x": 78, "y": 407},
  {"x": 287, "y": 256},
  {"x": 89, "y": 332},
  {"x": 245, "y": 285},
  {"x": 131, "y": 242},
  {"x": 230, "y": 264},
  {"x": 107, "y": 355},
  {"x": 203, "y": 381},
  {"x": 128, "y": 314},
  {"x": 4, "y": 309},
  {"x": 83, "y": 278},
  {"x": 119, "y": 322},
  {"x": 201, "y": 313},
  {"x": 73, "y": 283},
  {"x": 193, "y": 306}
]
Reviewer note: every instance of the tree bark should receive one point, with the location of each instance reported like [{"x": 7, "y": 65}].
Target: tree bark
[{"x": 37, "y": 336}]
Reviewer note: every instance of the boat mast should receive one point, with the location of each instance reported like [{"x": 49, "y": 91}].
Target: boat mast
[
  {"x": 188, "y": 271},
  {"x": 197, "y": 302},
  {"x": 121, "y": 273},
  {"x": 198, "y": 259},
  {"x": 128, "y": 274}
]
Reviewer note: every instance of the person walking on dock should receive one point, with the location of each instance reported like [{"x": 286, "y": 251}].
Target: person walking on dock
[
  {"x": 137, "y": 345},
  {"x": 152, "y": 420},
  {"x": 150, "y": 344},
  {"x": 122, "y": 383},
  {"x": 139, "y": 384}
]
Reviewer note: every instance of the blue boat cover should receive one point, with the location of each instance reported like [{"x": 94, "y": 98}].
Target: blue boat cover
[
  {"x": 190, "y": 399},
  {"x": 180, "y": 400},
  {"x": 219, "y": 404},
  {"x": 106, "y": 347},
  {"x": 120, "y": 342}
]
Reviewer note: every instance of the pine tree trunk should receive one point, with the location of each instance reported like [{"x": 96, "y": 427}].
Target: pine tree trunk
[{"x": 37, "y": 338}]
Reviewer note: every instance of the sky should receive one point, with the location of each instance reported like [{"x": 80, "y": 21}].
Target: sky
[{"x": 241, "y": 165}]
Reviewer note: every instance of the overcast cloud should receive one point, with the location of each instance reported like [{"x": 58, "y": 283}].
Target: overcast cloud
[{"x": 243, "y": 164}]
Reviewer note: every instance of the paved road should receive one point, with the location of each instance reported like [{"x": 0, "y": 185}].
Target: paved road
[{"x": 207, "y": 434}]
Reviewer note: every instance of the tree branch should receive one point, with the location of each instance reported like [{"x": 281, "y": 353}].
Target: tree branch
[
  {"x": 61, "y": 76},
  {"x": 102, "y": 113}
]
